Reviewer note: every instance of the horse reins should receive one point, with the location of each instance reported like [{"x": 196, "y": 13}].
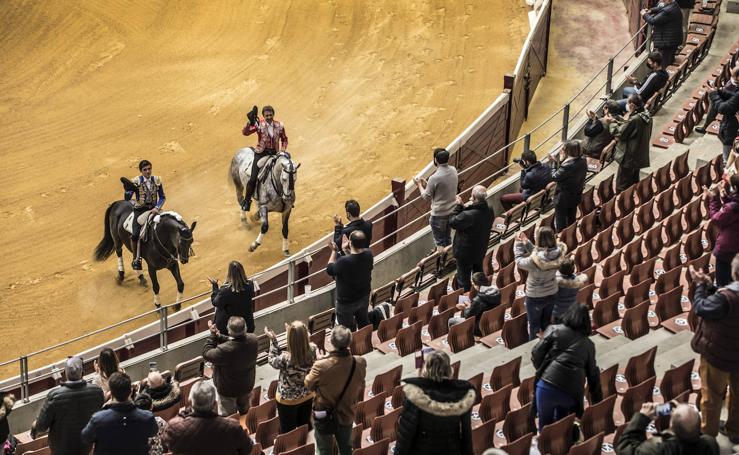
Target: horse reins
[{"x": 171, "y": 257}]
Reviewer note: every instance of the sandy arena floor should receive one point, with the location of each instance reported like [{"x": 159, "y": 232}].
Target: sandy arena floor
[{"x": 365, "y": 89}]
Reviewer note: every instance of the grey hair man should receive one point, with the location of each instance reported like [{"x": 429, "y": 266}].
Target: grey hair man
[
  {"x": 472, "y": 221},
  {"x": 67, "y": 410},
  {"x": 194, "y": 433},
  {"x": 336, "y": 380},
  {"x": 684, "y": 435},
  {"x": 234, "y": 360}
]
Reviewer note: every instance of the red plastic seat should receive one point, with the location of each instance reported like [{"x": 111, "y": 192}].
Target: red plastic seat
[
  {"x": 506, "y": 374},
  {"x": 492, "y": 320},
  {"x": 361, "y": 343},
  {"x": 366, "y": 411},
  {"x": 556, "y": 438},
  {"x": 518, "y": 423},
  {"x": 291, "y": 440},
  {"x": 598, "y": 418},
  {"x": 462, "y": 336},
  {"x": 496, "y": 405}
]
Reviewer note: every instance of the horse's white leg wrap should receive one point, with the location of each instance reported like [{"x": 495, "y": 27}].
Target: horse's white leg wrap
[
  {"x": 120, "y": 264},
  {"x": 179, "y": 297},
  {"x": 156, "y": 300},
  {"x": 259, "y": 239},
  {"x": 285, "y": 244}
]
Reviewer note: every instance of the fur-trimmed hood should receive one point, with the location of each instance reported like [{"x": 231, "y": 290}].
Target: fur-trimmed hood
[
  {"x": 549, "y": 258},
  {"x": 572, "y": 281},
  {"x": 445, "y": 399}
]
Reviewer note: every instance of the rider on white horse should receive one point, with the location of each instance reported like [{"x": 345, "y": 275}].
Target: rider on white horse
[
  {"x": 148, "y": 194},
  {"x": 271, "y": 135}
]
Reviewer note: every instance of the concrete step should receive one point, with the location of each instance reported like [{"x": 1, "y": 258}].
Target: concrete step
[{"x": 633, "y": 347}]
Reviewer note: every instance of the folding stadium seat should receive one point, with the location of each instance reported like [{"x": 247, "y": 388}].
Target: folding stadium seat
[
  {"x": 34, "y": 445},
  {"x": 680, "y": 166},
  {"x": 638, "y": 368},
  {"x": 487, "y": 263},
  {"x": 534, "y": 206},
  {"x": 267, "y": 431},
  {"x": 590, "y": 446},
  {"x": 261, "y": 413},
  {"x": 439, "y": 325},
  {"x": 524, "y": 392},
  {"x": 319, "y": 339},
  {"x": 405, "y": 304},
  {"x": 589, "y": 226},
  {"x": 604, "y": 243},
  {"x": 717, "y": 168},
  {"x": 429, "y": 270},
  {"x": 645, "y": 216},
  {"x": 568, "y": 236},
  {"x": 598, "y": 418},
  {"x": 507, "y": 223},
  {"x": 608, "y": 381},
  {"x": 638, "y": 293},
  {"x": 711, "y": 232},
  {"x": 505, "y": 374},
  {"x": 382, "y": 294},
  {"x": 585, "y": 295},
  {"x": 608, "y": 216},
  {"x": 633, "y": 254},
  {"x": 668, "y": 304},
  {"x": 605, "y": 190},
  {"x": 365, "y": 411},
  {"x": 673, "y": 227},
  {"x": 608, "y": 267},
  {"x": 462, "y": 336},
  {"x": 407, "y": 341},
  {"x": 612, "y": 285},
  {"x": 662, "y": 178},
  {"x": 518, "y": 307},
  {"x": 255, "y": 398},
  {"x": 590, "y": 273},
  {"x": 644, "y": 190},
  {"x": 635, "y": 323},
  {"x": 192, "y": 368},
  {"x": 675, "y": 382},
  {"x": 583, "y": 255},
  {"x": 449, "y": 301},
  {"x": 496, "y": 405},
  {"x": 653, "y": 241},
  {"x": 378, "y": 448},
  {"x": 357, "y": 431},
  {"x": 518, "y": 423},
  {"x": 492, "y": 320},
  {"x": 504, "y": 254},
  {"x": 388, "y": 328},
  {"x": 405, "y": 284},
  {"x": 684, "y": 190},
  {"x": 514, "y": 333},
  {"x": 421, "y": 313},
  {"x": 520, "y": 446},
  {"x": 625, "y": 201},
  {"x": 692, "y": 245},
  {"x": 476, "y": 382},
  {"x": 632, "y": 400},
  {"x": 438, "y": 289},
  {"x": 506, "y": 276},
  {"x": 587, "y": 204},
  {"x": 291, "y": 440},
  {"x": 547, "y": 221},
  {"x": 483, "y": 437},
  {"x": 396, "y": 400},
  {"x": 556, "y": 438},
  {"x": 625, "y": 230},
  {"x": 508, "y": 294},
  {"x": 643, "y": 271},
  {"x": 693, "y": 214},
  {"x": 361, "y": 343}
]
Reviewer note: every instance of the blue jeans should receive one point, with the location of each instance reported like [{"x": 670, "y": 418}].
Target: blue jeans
[
  {"x": 628, "y": 91},
  {"x": 325, "y": 441},
  {"x": 440, "y": 230},
  {"x": 539, "y": 313},
  {"x": 552, "y": 403}
]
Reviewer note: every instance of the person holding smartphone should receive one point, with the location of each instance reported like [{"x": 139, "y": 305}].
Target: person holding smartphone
[
  {"x": 725, "y": 92},
  {"x": 535, "y": 176}
]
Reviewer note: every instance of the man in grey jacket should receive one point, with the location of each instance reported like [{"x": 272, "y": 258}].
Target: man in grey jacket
[{"x": 441, "y": 189}]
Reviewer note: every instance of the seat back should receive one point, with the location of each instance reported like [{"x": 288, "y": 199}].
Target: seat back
[
  {"x": 665, "y": 204},
  {"x": 635, "y": 322},
  {"x": 606, "y": 311},
  {"x": 676, "y": 381},
  {"x": 587, "y": 204},
  {"x": 462, "y": 336},
  {"x": 384, "y": 426},
  {"x": 322, "y": 320},
  {"x": 668, "y": 304},
  {"x": 670, "y": 279},
  {"x": 307, "y": 449},
  {"x": 496, "y": 405},
  {"x": 482, "y": 437},
  {"x": 604, "y": 243},
  {"x": 449, "y": 300},
  {"x": 439, "y": 323},
  {"x": 556, "y": 438},
  {"x": 684, "y": 189},
  {"x": 645, "y": 216},
  {"x": 590, "y": 446},
  {"x": 405, "y": 285},
  {"x": 422, "y": 312},
  {"x": 261, "y": 413},
  {"x": 680, "y": 166},
  {"x": 643, "y": 271},
  {"x": 633, "y": 254},
  {"x": 526, "y": 390},
  {"x": 637, "y": 294},
  {"x": 585, "y": 295},
  {"x": 378, "y": 448},
  {"x": 384, "y": 293},
  {"x": 267, "y": 431},
  {"x": 534, "y": 205},
  {"x": 192, "y": 368},
  {"x": 674, "y": 227},
  {"x": 662, "y": 178},
  {"x": 693, "y": 246},
  {"x": 583, "y": 255},
  {"x": 625, "y": 200},
  {"x": 515, "y": 331},
  {"x": 589, "y": 225},
  {"x": 291, "y": 440},
  {"x": 366, "y": 411},
  {"x": 598, "y": 418},
  {"x": 612, "y": 285},
  {"x": 644, "y": 189},
  {"x": 653, "y": 241},
  {"x": 605, "y": 190},
  {"x": 506, "y": 374},
  {"x": 476, "y": 382},
  {"x": 438, "y": 289},
  {"x": 568, "y": 236},
  {"x": 361, "y": 343},
  {"x": 506, "y": 276},
  {"x": 635, "y": 396},
  {"x": 492, "y": 320},
  {"x": 429, "y": 269},
  {"x": 387, "y": 380},
  {"x": 640, "y": 367},
  {"x": 518, "y": 423},
  {"x": 406, "y": 303},
  {"x": 408, "y": 340},
  {"x": 608, "y": 381},
  {"x": 388, "y": 328},
  {"x": 694, "y": 214}
]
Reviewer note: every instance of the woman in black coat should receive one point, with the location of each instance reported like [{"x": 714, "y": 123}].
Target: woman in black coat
[
  {"x": 563, "y": 359},
  {"x": 234, "y": 298},
  {"x": 436, "y": 415}
]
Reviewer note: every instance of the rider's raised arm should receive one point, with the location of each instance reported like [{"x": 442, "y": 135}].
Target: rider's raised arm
[{"x": 249, "y": 129}]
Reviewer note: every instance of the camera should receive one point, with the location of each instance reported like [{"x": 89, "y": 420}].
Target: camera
[
  {"x": 663, "y": 409},
  {"x": 153, "y": 366},
  {"x": 517, "y": 160}
]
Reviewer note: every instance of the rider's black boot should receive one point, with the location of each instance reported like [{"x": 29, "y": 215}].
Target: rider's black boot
[
  {"x": 246, "y": 205},
  {"x": 136, "y": 264}
]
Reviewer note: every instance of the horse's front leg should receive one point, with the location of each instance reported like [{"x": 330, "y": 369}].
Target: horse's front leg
[
  {"x": 265, "y": 227},
  {"x": 154, "y": 284},
  {"x": 121, "y": 270},
  {"x": 285, "y": 232},
  {"x": 175, "y": 269}
]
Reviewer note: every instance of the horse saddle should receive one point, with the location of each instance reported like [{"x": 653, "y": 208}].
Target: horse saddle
[
  {"x": 143, "y": 220},
  {"x": 265, "y": 164}
]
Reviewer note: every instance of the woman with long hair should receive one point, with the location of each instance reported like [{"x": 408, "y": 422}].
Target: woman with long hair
[
  {"x": 294, "y": 401},
  {"x": 233, "y": 298},
  {"x": 106, "y": 364}
]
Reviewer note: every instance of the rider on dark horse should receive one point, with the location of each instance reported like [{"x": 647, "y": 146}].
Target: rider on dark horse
[
  {"x": 270, "y": 134},
  {"x": 148, "y": 195}
]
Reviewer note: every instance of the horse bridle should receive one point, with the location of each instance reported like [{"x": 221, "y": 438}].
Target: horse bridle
[
  {"x": 291, "y": 178},
  {"x": 173, "y": 257}
]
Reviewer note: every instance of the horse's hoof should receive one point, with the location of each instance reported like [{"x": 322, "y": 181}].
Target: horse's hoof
[
  {"x": 177, "y": 307},
  {"x": 142, "y": 282},
  {"x": 286, "y": 253},
  {"x": 253, "y": 247},
  {"x": 120, "y": 277}
]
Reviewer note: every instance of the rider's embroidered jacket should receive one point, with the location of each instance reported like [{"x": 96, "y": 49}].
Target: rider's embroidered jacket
[
  {"x": 267, "y": 141},
  {"x": 151, "y": 195}
]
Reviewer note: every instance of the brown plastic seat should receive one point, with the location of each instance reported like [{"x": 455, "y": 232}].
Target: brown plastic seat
[
  {"x": 643, "y": 271},
  {"x": 462, "y": 335},
  {"x": 521, "y": 446},
  {"x": 319, "y": 339},
  {"x": 604, "y": 243},
  {"x": 534, "y": 206},
  {"x": 693, "y": 213},
  {"x": 692, "y": 245},
  {"x": 634, "y": 397},
  {"x": 625, "y": 230},
  {"x": 518, "y": 423},
  {"x": 606, "y": 311},
  {"x": 388, "y": 328},
  {"x": 322, "y": 320},
  {"x": 515, "y": 331},
  {"x": 653, "y": 241},
  {"x": 590, "y": 273},
  {"x": 438, "y": 289},
  {"x": 506, "y": 276},
  {"x": 41, "y": 451},
  {"x": 640, "y": 367},
  {"x": 526, "y": 390},
  {"x": 674, "y": 227},
  {"x": 702, "y": 176},
  {"x": 680, "y": 166},
  {"x": 508, "y": 222},
  {"x": 613, "y": 284},
  {"x": 261, "y": 413},
  {"x": 378, "y": 448},
  {"x": 406, "y": 303},
  {"x": 590, "y": 446},
  {"x": 267, "y": 431},
  {"x": 384, "y": 293},
  {"x": 608, "y": 381},
  {"x": 587, "y": 204},
  {"x": 611, "y": 265},
  {"x": 645, "y": 216},
  {"x": 476, "y": 382},
  {"x": 637, "y": 294},
  {"x": 608, "y": 216},
  {"x": 568, "y": 236},
  {"x": 506, "y": 374},
  {"x": 583, "y": 255},
  {"x": 598, "y": 418},
  {"x": 482, "y": 437},
  {"x": 635, "y": 322},
  {"x": 633, "y": 254},
  {"x": 518, "y": 306},
  {"x": 556, "y": 438},
  {"x": 589, "y": 226},
  {"x": 496, "y": 405},
  {"x": 625, "y": 201},
  {"x": 291, "y": 440},
  {"x": 439, "y": 323},
  {"x": 361, "y": 343},
  {"x": 384, "y": 426},
  {"x": 671, "y": 257},
  {"x": 422, "y": 312},
  {"x": 449, "y": 301},
  {"x": 429, "y": 270},
  {"x": 684, "y": 189},
  {"x": 665, "y": 204},
  {"x": 669, "y": 304},
  {"x": 407, "y": 283},
  {"x": 644, "y": 190},
  {"x": 662, "y": 178},
  {"x": 676, "y": 381},
  {"x": 387, "y": 381},
  {"x": 365, "y": 411},
  {"x": 396, "y": 400},
  {"x": 605, "y": 190},
  {"x": 504, "y": 254},
  {"x": 408, "y": 340},
  {"x": 585, "y": 295},
  {"x": 492, "y": 320},
  {"x": 192, "y": 368},
  {"x": 711, "y": 231}
]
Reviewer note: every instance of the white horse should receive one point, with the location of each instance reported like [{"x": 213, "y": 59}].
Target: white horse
[{"x": 275, "y": 194}]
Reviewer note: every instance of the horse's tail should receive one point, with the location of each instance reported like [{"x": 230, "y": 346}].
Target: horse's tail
[{"x": 106, "y": 246}]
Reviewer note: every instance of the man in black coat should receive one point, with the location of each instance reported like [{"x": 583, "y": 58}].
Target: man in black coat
[
  {"x": 667, "y": 31},
  {"x": 570, "y": 178},
  {"x": 729, "y": 127},
  {"x": 486, "y": 298},
  {"x": 730, "y": 87},
  {"x": 68, "y": 409},
  {"x": 472, "y": 222},
  {"x": 356, "y": 223},
  {"x": 535, "y": 176}
]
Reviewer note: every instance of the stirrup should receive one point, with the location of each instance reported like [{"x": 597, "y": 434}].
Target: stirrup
[
  {"x": 246, "y": 205},
  {"x": 136, "y": 264}
]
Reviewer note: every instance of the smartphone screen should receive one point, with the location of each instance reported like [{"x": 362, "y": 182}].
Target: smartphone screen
[{"x": 663, "y": 410}]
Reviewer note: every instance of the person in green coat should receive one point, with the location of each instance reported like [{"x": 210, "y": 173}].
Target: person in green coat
[{"x": 632, "y": 133}]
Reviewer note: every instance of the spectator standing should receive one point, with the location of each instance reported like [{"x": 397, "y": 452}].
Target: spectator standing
[
  {"x": 120, "y": 428},
  {"x": 570, "y": 177},
  {"x": 632, "y": 133},
  {"x": 655, "y": 80},
  {"x": 597, "y": 133},
  {"x": 156, "y": 446},
  {"x": 535, "y": 176},
  {"x": 441, "y": 190},
  {"x": 67, "y": 410},
  {"x": 355, "y": 223},
  {"x": 730, "y": 87},
  {"x": 353, "y": 274},
  {"x": 203, "y": 431},
  {"x": 7, "y": 400},
  {"x": 564, "y": 358},
  {"x": 106, "y": 364},
  {"x": 724, "y": 211},
  {"x": 162, "y": 393},
  {"x": 234, "y": 298},
  {"x": 294, "y": 400},
  {"x": 716, "y": 339},
  {"x": 436, "y": 416},
  {"x": 666, "y": 20},
  {"x": 336, "y": 380},
  {"x": 686, "y": 6},
  {"x": 541, "y": 263},
  {"x": 684, "y": 435},
  {"x": 568, "y": 285},
  {"x": 486, "y": 298},
  {"x": 729, "y": 126},
  {"x": 472, "y": 222},
  {"x": 234, "y": 360}
]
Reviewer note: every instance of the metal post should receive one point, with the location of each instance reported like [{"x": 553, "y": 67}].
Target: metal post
[
  {"x": 648, "y": 41},
  {"x": 609, "y": 78},
  {"x": 565, "y": 121},
  {"x": 291, "y": 282},
  {"x": 527, "y": 142},
  {"x": 163, "y": 328},
  {"x": 24, "y": 379}
]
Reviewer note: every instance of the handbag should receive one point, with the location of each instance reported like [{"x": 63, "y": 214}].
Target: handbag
[{"x": 324, "y": 420}]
